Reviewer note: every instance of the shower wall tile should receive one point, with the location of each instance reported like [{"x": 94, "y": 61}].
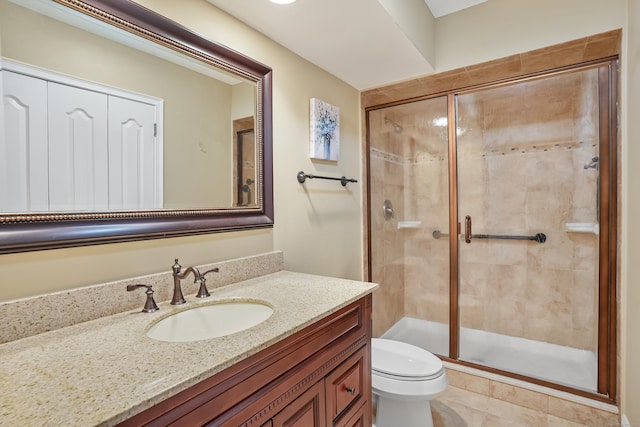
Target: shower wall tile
[
  {"x": 498, "y": 69},
  {"x": 570, "y": 52},
  {"x": 520, "y": 396},
  {"x": 603, "y": 45},
  {"x": 553, "y": 421},
  {"x": 585, "y": 214},
  {"x": 507, "y": 211},
  {"x": 477, "y": 291},
  {"x": 582, "y": 414},
  {"x": 469, "y": 382},
  {"x": 507, "y": 281},
  {"x": 388, "y": 300},
  {"x": 550, "y": 172},
  {"x": 546, "y": 211},
  {"x": 473, "y": 312},
  {"x": 584, "y": 322},
  {"x": 474, "y": 278},
  {"x": 504, "y": 316},
  {"x": 427, "y": 290},
  {"x": 508, "y": 252},
  {"x": 476, "y": 253},
  {"x": 555, "y": 254},
  {"x": 546, "y": 327},
  {"x": 585, "y": 251}
]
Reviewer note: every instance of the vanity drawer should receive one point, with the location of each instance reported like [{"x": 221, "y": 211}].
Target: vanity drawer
[{"x": 346, "y": 384}]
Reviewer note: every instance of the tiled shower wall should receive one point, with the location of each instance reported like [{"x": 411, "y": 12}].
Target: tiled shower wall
[{"x": 521, "y": 169}]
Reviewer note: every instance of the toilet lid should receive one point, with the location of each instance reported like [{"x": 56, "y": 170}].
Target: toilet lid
[{"x": 400, "y": 359}]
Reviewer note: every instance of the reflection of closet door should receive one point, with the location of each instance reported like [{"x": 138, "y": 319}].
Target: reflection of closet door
[
  {"x": 78, "y": 158},
  {"x": 135, "y": 160},
  {"x": 23, "y": 144}
]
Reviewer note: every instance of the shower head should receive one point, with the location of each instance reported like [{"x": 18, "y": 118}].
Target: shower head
[{"x": 396, "y": 127}]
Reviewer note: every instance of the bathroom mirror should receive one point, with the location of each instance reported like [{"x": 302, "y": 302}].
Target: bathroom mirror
[{"x": 202, "y": 164}]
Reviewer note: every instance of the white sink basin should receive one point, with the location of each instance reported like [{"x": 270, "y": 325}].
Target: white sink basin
[{"x": 210, "y": 321}]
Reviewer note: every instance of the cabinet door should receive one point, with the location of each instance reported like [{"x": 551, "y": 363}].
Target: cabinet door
[
  {"x": 135, "y": 159},
  {"x": 362, "y": 418},
  {"x": 78, "y": 158},
  {"x": 308, "y": 410},
  {"x": 24, "y": 176}
]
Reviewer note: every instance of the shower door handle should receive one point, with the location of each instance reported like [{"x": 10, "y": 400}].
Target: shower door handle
[{"x": 467, "y": 229}]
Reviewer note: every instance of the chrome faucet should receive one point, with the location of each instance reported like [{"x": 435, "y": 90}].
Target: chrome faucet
[{"x": 178, "y": 275}]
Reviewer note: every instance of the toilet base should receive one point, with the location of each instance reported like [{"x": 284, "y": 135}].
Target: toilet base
[{"x": 393, "y": 413}]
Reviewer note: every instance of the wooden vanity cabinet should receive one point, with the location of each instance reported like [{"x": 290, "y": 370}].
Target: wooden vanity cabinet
[
  {"x": 319, "y": 376},
  {"x": 307, "y": 410}
]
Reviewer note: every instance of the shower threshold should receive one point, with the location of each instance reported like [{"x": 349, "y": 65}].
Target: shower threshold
[{"x": 562, "y": 365}]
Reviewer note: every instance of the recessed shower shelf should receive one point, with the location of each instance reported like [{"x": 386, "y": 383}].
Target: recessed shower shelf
[
  {"x": 409, "y": 224},
  {"x": 583, "y": 227}
]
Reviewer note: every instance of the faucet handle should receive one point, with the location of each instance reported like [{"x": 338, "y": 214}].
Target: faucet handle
[
  {"x": 149, "y": 305},
  {"x": 213, "y": 270},
  {"x": 203, "y": 292},
  {"x": 176, "y": 267}
]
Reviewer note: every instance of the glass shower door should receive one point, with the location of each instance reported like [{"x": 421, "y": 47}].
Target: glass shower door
[
  {"x": 409, "y": 222},
  {"x": 528, "y": 207}
]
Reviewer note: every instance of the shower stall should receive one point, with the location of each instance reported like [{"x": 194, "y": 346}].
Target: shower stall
[{"x": 492, "y": 226}]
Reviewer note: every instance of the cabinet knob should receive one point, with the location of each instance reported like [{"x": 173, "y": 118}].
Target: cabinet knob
[{"x": 350, "y": 390}]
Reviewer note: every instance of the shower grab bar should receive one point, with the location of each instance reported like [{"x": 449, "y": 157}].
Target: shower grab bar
[
  {"x": 303, "y": 176},
  {"x": 538, "y": 237}
]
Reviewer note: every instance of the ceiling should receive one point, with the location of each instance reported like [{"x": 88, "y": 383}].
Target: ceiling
[{"x": 363, "y": 49}]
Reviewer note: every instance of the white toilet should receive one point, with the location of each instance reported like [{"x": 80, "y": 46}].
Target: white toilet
[{"x": 404, "y": 379}]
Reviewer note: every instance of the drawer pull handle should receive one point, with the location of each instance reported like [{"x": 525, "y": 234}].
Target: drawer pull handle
[{"x": 351, "y": 390}]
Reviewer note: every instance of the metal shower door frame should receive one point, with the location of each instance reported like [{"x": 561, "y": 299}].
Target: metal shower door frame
[{"x": 608, "y": 237}]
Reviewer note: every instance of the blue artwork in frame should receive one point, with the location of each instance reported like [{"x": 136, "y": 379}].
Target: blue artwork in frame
[{"x": 325, "y": 131}]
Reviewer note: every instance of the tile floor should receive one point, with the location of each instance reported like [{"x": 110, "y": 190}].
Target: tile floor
[{"x": 470, "y": 401}]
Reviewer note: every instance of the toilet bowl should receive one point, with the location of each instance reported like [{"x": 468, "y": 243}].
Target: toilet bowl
[{"x": 404, "y": 380}]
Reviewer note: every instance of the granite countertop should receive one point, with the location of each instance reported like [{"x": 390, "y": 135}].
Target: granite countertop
[{"x": 104, "y": 371}]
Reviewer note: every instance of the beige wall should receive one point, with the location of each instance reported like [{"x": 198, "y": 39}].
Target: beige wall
[
  {"x": 318, "y": 229},
  {"x": 417, "y": 23},
  {"x": 498, "y": 28},
  {"x": 630, "y": 273}
]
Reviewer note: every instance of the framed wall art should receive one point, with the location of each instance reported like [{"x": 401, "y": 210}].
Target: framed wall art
[{"x": 325, "y": 131}]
